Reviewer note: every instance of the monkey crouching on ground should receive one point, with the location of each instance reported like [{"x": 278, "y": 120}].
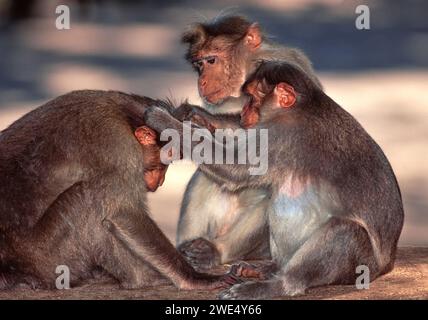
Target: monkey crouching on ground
[
  {"x": 335, "y": 202},
  {"x": 74, "y": 174}
]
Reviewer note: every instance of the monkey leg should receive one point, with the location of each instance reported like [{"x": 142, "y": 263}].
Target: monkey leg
[
  {"x": 62, "y": 236},
  {"x": 232, "y": 226},
  {"x": 198, "y": 215},
  {"x": 246, "y": 235},
  {"x": 70, "y": 233},
  {"x": 10, "y": 280},
  {"x": 132, "y": 272},
  {"x": 329, "y": 256},
  {"x": 133, "y": 249},
  {"x": 138, "y": 233}
]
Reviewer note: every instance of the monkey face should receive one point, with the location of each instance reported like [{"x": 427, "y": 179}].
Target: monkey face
[
  {"x": 154, "y": 169},
  {"x": 154, "y": 178},
  {"x": 220, "y": 75},
  {"x": 264, "y": 98},
  {"x": 250, "y": 113},
  {"x": 221, "y": 54}
]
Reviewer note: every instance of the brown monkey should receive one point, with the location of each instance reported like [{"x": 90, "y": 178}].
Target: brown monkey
[
  {"x": 212, "y": 227},
  {"x": 72, "y": 193},
  {"x": 335, "y": 202}
]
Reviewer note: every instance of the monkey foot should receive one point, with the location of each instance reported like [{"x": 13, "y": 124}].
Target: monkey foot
[
  {"x": 247, "y": 270},
  {"x": 200, "y": 253},
  {"x": 189, "y": 113},
  {"x": 257, "y": 290},
  {"x": 228, "y": 280},
  {"x": 247, "y": 291}
]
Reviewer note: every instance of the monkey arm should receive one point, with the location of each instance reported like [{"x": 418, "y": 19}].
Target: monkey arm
[
  {"x": 139, "y": 233},
  {"x": 200, "y": 116},
  {"x": 242, "y": 170}
]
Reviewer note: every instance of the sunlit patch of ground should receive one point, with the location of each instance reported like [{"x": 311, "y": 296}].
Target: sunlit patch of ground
[{"x": 408, "y": 280}]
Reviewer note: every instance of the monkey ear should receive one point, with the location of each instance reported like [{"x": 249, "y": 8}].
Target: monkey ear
[
  {"x": 253, "y": 38},
  {"x": 145, "y": 135},
  {"x": 285, "y": 95}
]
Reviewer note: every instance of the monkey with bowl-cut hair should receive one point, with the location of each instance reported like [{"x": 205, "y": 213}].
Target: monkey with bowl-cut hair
[
  {"x": 233, "y": 225},
  {"x": 74, "y": 177},
  {"x": 334, "y": 203}
]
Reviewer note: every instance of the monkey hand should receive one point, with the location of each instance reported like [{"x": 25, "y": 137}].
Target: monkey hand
[
  {"x": 249, "y": 116},
  {"x": 196, "y": 115},
  {"x": 202, "y": 281},
  {"x": 184, "y": 112},
  {"x": 200, "y": 253},
  {"x": 159, "y": 119},
  {"x": 248, "y": 270},
  {"x": 203, "y": 122}
]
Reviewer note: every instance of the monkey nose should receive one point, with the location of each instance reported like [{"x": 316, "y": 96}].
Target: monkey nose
[{"x": 202, "y": 83}]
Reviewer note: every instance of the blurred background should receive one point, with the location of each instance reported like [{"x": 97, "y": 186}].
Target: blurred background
[{"x": 379, "y": 75}]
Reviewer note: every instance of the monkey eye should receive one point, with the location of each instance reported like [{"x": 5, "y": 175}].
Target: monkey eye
[{"x": 211, "y": 60}]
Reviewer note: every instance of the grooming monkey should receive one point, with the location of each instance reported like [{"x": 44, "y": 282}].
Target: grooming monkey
[
  {"x": 217, "y": 225},
  {"x": 74, "y": 174},
  {"x": 335, "y": 203}
]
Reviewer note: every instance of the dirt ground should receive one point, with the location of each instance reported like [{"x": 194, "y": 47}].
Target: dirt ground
[{"x": 408, "y": 280}]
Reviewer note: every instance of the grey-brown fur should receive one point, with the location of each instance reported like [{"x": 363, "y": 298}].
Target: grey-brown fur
[
  {"x": 72, "y": 193},
  {"x": 207, "y": 206},
  {"x": 349, "y": 211}
]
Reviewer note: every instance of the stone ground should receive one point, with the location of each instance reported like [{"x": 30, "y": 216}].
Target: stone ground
[{"x": 408, "y": 280}]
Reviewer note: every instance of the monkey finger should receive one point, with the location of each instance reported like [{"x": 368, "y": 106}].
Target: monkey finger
[
  {"x": 197, "y": 245},
  {"x": 230, "y": 279},
  {"x": 246, "y": 270},
  {"x": 184, "y": 112},
  {"x": 226, "y": 281}
]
